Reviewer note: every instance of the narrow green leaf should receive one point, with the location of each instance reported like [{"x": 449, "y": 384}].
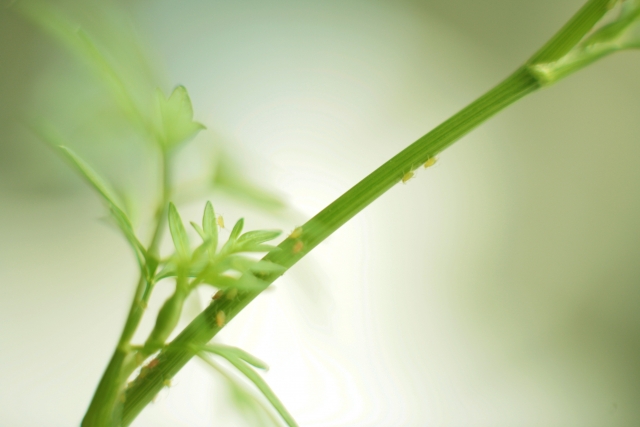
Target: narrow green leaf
[
  {"x": 236, "y": 352},
  {"x": 252, "y": 238},
  {"x": 233, "y": 237},
  {"x": 178, "y": 233},
  {"x": 210, "y": 226},
  {"x": 92, "y": 177},
  {"x": 229, "y": 178},
  {"x": 108, "y": 195},
  {"x": 246, "y": 402},
  {"x": 257, "y": 380},
  {"x": 199, "y": 230},
  {"x": 237, "y": 229},
  {"x": 261, "y": 248},
  {"x": 247, "y": 282}
]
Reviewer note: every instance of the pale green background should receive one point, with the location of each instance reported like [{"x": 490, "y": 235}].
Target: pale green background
[{"x": 500, "y": 288}]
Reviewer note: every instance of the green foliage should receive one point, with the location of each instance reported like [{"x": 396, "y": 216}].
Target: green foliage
[
  {"x": 178, "y": 234},
  {"x": 108, "y": 195},
  {"x": 175, "y": 116},
  {"x": 242, "y": 360}
]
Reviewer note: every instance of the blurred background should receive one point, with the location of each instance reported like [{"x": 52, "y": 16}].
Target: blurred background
[{"x": 500, "y": 287}]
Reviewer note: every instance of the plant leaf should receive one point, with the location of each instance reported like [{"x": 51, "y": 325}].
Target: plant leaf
[
  {"x": 199, "y": 230},
  {"x": 237, "y": 229},
  {"x": 237, "y": 353},
  {"x": 229, "y": 179},
  {"x": 246, "y": 402},
  {"x": 98, "y": 184},
  {"x": 246, "y": 282},
  {"x": 176, "y": 118},
  {"x": 178, "y": 233},
  {"x": 257, "y": 380},
  {"x": 210, "y": 227},
  {"x": 253, "y": 238}
]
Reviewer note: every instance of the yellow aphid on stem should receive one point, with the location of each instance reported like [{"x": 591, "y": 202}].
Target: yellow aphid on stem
[
  {"x": 221, "y": 319},
  {"x": 217, "y": 295},
  {"x": 407, "y": 176},
  {"x": 430, "y": 162},
  {"x": 296, "y": 233},
  {"x": 220, "y": 221}
]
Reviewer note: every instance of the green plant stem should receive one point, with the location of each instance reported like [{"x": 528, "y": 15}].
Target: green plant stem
[
  {"x": 104, "y": 408},
  {"x": 522, "y": 82}
]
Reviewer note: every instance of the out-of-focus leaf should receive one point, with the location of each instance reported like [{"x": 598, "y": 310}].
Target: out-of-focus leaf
[
  {"x": 45, "y": 16},
  {"x": 210, "y": 227},
  {"x": 237, "y": 229},
  {"x": 199, "y": 230},
  {"x": 240, "y": 364},
  {"x": 228, "y": 179},
  {"x": 176, "y": 118},
  {"x": 245, "y": 401},
  {"x": 261, "y": 248},
  {"x": 121, "y": 218},
  {"x": 236, "y": 352},
  {"x": 233, "y": 237},
  {"x": 254, "y": 238},
  {"x": 178, "y": 233},
  {"x": 247, "y": 282}
]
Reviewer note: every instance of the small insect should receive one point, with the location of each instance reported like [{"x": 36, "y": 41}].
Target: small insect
[
  {"x": 220, "y": 319},
  {"x": 217, "y": 295},
  {"x": 153, "y": 363},
  {"x": 232, "y": 293},
  {"x": 220, "y": 221},
  {"x": 430, "y": 162},
  {"x": 297, "y": 247},
  {"x": 167, "y": 382},
  {"x": 296, "y": 233},
  {"x": 407, "y": 176}
]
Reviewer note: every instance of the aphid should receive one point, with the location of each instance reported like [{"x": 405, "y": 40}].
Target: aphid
[
  {"x": 430, "y": 162},
  {"x": 407, "y": 176},
  {"x": 220, "y": 319},
  {"x": 220, "y": 221},
  {"x": 217, "y": 295},
  {"x": 153, "y": 363},
  {"x": 297, "y": 247},
  {"x": 167, "y": 382},
  {"x": 296, "y": 233},
  {"x": 233, "y": 292}
]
